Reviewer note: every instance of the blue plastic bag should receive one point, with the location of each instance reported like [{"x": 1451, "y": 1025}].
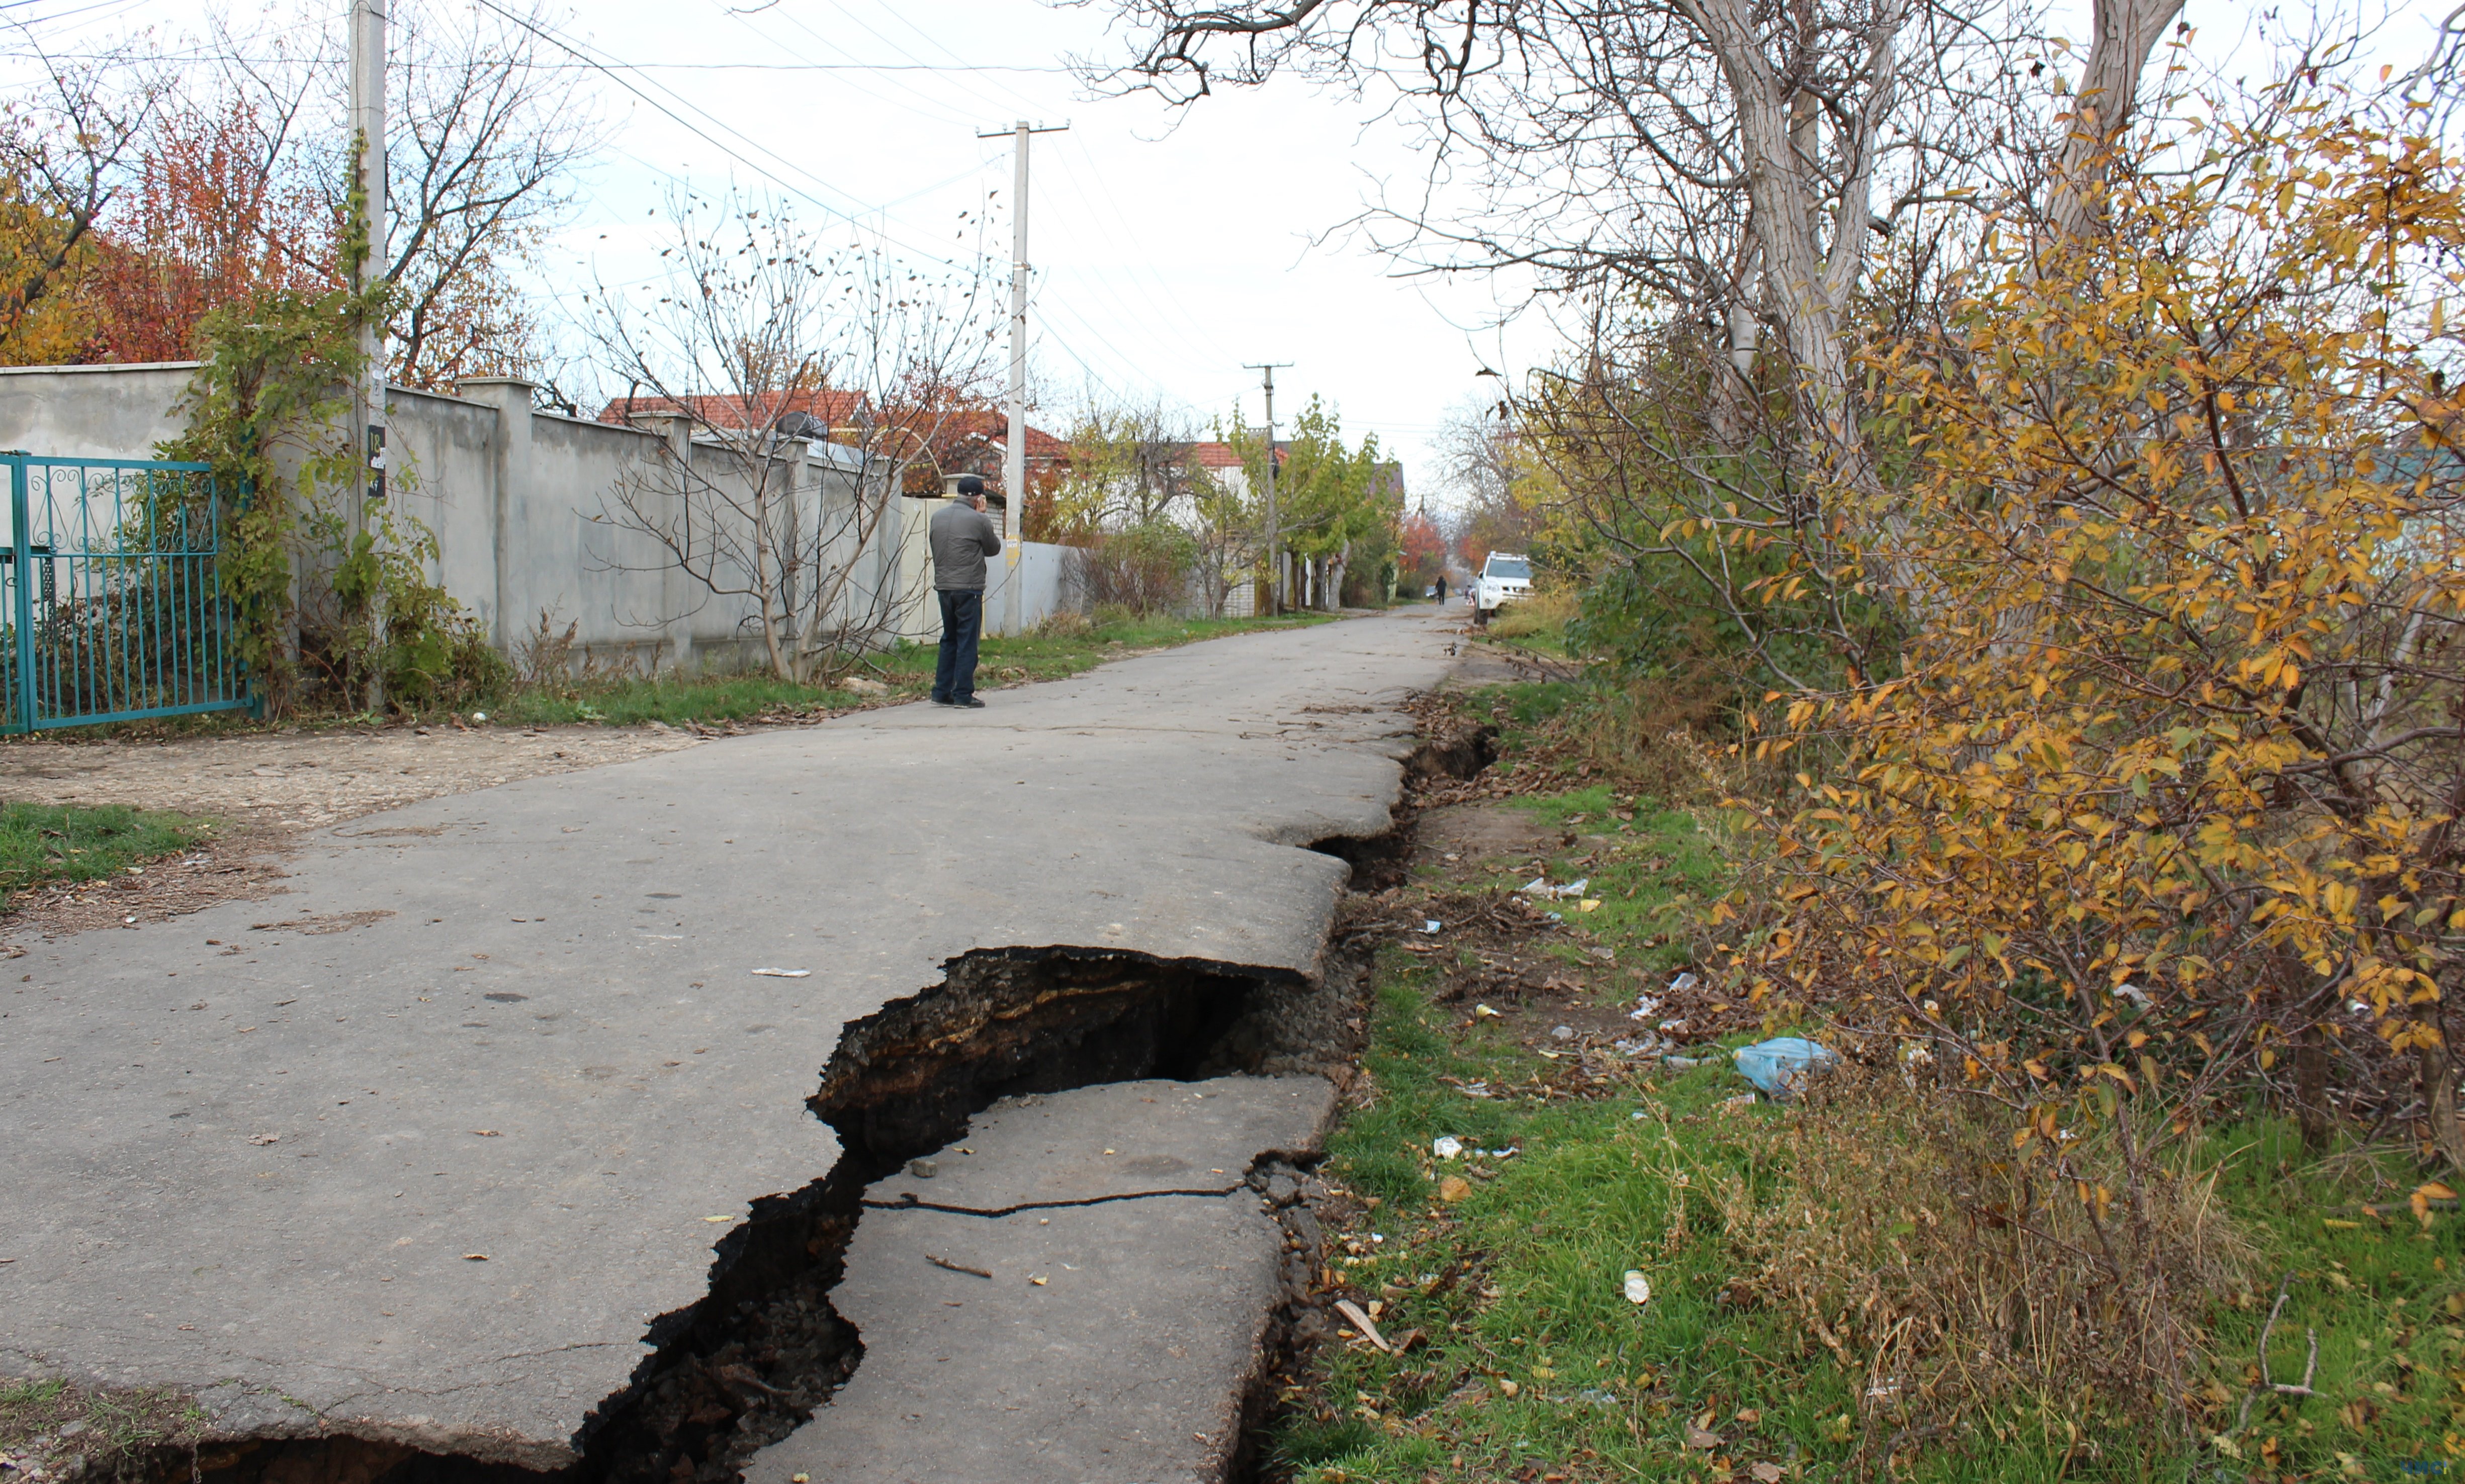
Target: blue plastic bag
[{"x": 1778, "y": 1068}]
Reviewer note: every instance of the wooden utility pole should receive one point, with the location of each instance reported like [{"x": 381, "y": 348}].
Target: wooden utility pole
[
  {"x": 367, "y": 396},
  {"x": 1275, "y": 535},
  {"x": 1015, "y": 453}
]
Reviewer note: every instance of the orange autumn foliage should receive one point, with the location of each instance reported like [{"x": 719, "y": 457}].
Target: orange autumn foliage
[
  {"x": 2172, "y": 771},
  {"x": 210, "y": 219}
]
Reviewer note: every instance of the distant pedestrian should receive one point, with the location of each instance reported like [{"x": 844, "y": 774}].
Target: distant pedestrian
[
  {"x": 1442, "y": 587},
  {"x": 963, "y": 540}
]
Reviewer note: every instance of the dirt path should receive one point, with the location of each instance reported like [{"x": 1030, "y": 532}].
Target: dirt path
[
  {"x": 303, "y": 780},
  {"x": 262, "y": 790}
]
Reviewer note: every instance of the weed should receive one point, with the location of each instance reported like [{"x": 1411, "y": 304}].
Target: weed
[{"x": 67, "y": 842}]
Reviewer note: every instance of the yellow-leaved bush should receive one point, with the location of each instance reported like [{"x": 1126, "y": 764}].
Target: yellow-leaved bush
[{"x": 2165, "y": 785}]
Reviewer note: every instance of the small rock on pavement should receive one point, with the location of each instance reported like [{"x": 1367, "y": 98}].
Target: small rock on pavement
[
  {"x": 1282, "y": 1189},
  {"x": 923, "y": 1169}
]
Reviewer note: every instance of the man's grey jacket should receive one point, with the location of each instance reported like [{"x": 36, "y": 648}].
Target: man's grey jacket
[{"x": 963, "y": 540}]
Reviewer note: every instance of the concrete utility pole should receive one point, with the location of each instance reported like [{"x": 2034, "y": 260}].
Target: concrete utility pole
[
  {"x": 1015, "y": 453},
  {"x": 1275, "y": 534},
  {"x": 368, "y": 398}
]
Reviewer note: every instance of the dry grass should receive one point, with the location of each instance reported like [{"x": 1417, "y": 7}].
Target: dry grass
[
  {"x": 1064, "y": 623},
  {"x": 1961, "y": 1284},
  {"x": 1544, "y": 615}
]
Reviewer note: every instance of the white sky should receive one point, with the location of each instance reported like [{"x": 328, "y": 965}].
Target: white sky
[{"x": 1171, "y": 247}]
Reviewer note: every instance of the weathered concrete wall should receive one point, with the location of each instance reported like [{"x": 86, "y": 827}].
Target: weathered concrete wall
[
  {"x": 92, "y": 411},
  {"x": 533, "y": 534}
]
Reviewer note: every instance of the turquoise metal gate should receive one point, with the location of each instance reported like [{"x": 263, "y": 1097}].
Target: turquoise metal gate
[{"x": 111, "y": 593}]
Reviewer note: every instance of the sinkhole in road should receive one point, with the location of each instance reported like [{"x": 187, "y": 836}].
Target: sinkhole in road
[{"x": 748, "y": 1364}]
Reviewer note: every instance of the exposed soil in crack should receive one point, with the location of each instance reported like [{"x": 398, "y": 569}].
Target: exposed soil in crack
[{"x": 748, "y": 1364}]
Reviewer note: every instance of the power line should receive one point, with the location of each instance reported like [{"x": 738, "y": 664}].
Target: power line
[
  {"x": 934, "y": 108},
  {"x": 616, "y": 72}
]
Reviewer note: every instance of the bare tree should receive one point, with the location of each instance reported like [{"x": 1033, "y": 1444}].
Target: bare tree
[
  {"x": 1702, "y": 183},
  {"x": 486, "y": 135},
  {"x": 764, "y": 354},
  {"x": 480, "y": 166}
]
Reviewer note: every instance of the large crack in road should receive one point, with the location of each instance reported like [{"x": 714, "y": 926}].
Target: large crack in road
[{"x": 591, "y": 1089}]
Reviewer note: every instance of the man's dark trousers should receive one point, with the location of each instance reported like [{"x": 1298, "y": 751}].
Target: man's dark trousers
[{"x": 963, "y": 619}]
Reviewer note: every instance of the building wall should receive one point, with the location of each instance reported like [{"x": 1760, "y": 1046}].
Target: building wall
[{"x": 531, "y": 531}]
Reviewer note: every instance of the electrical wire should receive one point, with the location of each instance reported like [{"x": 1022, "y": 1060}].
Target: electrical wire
[{"x": 616, "y": 72}]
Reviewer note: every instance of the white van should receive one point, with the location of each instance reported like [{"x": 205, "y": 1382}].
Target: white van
[{"x": 1504, "y": 579}]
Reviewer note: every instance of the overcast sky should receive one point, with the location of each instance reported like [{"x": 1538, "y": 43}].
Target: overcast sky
[{"x": 1171, "y": 247}]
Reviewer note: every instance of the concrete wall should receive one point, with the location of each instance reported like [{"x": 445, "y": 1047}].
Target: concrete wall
[{"x": 531, "y": 527}]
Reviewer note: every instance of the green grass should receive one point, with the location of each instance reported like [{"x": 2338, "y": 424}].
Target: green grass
[
  {"x": 47, "y": 842},
  {"x": 633, "y": 702},
  {"x": 1521, "y": 1281},
  {"x": 712, "y": 700}
]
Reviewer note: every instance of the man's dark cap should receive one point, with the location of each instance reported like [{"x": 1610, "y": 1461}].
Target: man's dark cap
[{"x": 971, "y": 485}]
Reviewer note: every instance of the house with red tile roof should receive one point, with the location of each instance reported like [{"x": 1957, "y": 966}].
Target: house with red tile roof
[{"x": 832, "y": 408}]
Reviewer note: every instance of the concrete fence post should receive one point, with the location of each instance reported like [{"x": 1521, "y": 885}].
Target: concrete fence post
[
  {"x": 677, "y": 599},
  {"x": 511, "y": 476}
]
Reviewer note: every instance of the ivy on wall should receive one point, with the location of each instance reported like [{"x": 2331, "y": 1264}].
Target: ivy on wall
[{"x": 319, "y": 610}]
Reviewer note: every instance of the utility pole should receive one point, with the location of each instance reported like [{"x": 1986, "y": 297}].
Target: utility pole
[
  {"x": 1015, "y": 452},
  {"x": 368, "y": 397},
  {"x": 1275, "y": 534}
]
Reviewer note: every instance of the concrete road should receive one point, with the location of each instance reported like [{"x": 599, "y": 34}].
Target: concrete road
[
  {"x": 423, "y": 1149},
  {"x": 1123, "y": 1276}
]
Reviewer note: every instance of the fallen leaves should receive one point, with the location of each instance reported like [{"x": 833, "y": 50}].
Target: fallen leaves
[
  {"x": 1455, "y": 1188},
  {"x": 1361, "y": 1321}
]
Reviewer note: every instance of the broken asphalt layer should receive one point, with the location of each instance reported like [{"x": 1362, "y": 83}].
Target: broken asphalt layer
[
  {"x": 1123, "y": 1279},
  {"x": 436, "y": 1146}
]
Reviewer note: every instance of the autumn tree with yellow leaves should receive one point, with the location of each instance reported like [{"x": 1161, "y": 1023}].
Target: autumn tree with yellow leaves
[{"x": 2162, "y": 797}]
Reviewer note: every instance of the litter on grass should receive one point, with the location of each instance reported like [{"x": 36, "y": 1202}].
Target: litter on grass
[
  {"x": 1431, "y": 924},
  {"x": 1780, "y": 1066},
  {"x": 1638, "y": 1287},
  {"x": 1539, "y": 886},
  {"x": 1446, "y": 1146}
]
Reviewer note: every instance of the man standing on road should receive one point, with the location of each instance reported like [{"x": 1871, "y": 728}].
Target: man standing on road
[
  {"x": 1442, "y": 587},
  {"x": 963, "y": 540}
]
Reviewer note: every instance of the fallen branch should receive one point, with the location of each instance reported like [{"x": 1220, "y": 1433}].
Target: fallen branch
[
  {"x": 956, "y": 1267},
  {"x": 2268, "y": 1381}
]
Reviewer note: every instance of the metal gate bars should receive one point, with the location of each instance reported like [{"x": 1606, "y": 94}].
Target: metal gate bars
[{"x": 112, "y": 606}]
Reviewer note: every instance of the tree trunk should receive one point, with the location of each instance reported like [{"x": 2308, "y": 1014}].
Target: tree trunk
[
  {"x": 2440, "y": 1095},
  {"x": 2311, "y": 1088},
  {"x": 2124, "y": 32}
]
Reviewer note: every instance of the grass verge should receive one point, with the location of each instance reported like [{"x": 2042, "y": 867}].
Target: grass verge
[
  {"x": 1053, "y": 652},
  {"x": 1500, "y": 1274},
  {"x": 52, "y": 1429},
  {"x": 67, "y": 842}
]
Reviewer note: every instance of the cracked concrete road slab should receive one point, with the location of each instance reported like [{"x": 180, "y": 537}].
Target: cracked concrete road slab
[
  {"x": 1111, "y": 1341},
  {"x": 426, "y": 1156}
]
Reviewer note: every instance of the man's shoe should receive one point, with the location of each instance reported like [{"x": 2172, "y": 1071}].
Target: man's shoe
[
  {"x": 944, "y": 700},
  {"x": 971, "y": 703}
]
